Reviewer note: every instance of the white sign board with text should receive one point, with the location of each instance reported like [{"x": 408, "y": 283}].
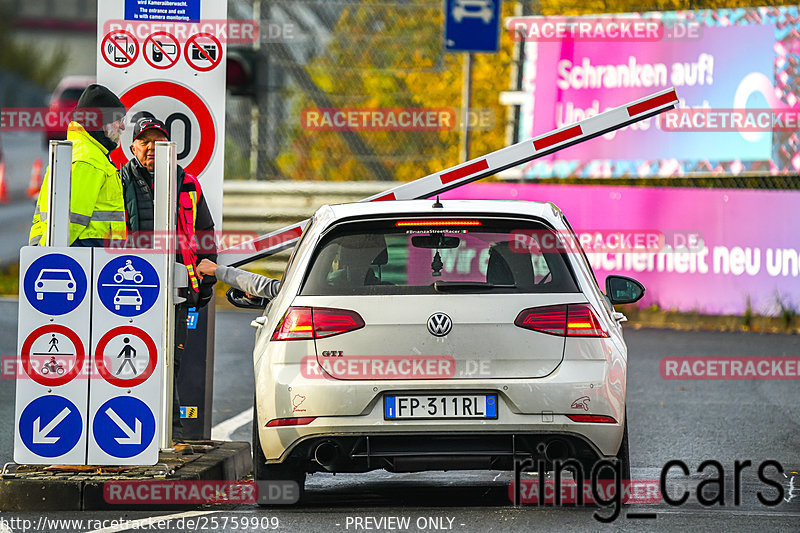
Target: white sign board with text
[{"x": 169, "y": 62}]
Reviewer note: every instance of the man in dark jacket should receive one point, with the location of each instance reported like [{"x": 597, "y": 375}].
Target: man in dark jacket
[{"x": 194, "y": 226}]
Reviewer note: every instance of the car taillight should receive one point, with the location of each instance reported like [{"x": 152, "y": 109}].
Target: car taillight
[
  {"x": 573, "y": 320},
  {"x": 297, "y": 324},
  {"x": 597, "y": 419},
  {"x": 329, "y": 322},
  {"x": 290, "y": 422},
  {"x": 582, "y": 322},
  {"x": 306, "y": 323},
  {"x": 551, "y": 319}
]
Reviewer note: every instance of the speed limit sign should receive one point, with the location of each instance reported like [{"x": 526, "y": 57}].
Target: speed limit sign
[{"x": 188, "y": 118}]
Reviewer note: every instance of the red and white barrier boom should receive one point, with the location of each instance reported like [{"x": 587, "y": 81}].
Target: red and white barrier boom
[{"x": 473, "y": 170}]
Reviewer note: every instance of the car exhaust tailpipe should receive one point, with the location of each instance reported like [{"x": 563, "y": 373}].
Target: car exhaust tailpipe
[
  {"x": 326, "y": 454},
  {"x": 557, "y": 450}
]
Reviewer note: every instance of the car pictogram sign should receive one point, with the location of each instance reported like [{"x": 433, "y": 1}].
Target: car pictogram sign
[
  {"x": 55, "y": 284},
  {"x": 128, "y": 286}
]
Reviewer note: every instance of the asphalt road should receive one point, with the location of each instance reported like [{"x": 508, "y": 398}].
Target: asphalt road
[
  {"x": 20, "y": 150},
  {"x": 691, "y": 421}
]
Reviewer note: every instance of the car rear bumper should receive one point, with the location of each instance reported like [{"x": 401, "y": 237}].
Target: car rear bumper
[{"x": 440, "y": 450}]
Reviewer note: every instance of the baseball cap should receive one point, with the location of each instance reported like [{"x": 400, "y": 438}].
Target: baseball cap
[{"x": 149, "y": 123}]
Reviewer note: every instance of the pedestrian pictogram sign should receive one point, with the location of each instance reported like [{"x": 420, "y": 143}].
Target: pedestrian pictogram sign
[
  {"x": 123, "y": 428},
  {"x": 128, "y": 286},
  {"x": 203, "y": 52},
  {"x": 50, "y": 426},
  {"x": 52, "y": 355},
  {"x": 162, "y": 50},
  {"x": 55, "y": 284},
  {"x": 126, "y": 356},
  {"x": 119, "y": 48}
]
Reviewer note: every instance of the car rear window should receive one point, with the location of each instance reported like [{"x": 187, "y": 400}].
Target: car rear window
[
  {"x": 420, "y": 255},
  {"x": 72, "y": 93}
]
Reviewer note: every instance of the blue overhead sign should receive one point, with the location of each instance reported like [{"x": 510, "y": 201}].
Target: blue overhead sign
[
  {"x": 128, "y": 286},
  {"x": 124, "y": 427},
  {"x": 55, "y": 284},
  {"x": 472, "y": 25},
  {"x": 50, "y": 426}
]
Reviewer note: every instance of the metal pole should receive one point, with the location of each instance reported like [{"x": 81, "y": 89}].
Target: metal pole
[
  {"x": 164, "y": 224},
  {"x": 59, "y": 193},
  {"x": 255, "y": 108},
  {"x": 466, "y": 96}
]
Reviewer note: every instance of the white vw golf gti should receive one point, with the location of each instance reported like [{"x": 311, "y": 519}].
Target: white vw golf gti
[{"x": 426, "y": 335}]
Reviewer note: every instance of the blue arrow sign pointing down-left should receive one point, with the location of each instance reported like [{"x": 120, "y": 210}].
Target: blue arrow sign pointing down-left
[{"x": 47, "y": 435}]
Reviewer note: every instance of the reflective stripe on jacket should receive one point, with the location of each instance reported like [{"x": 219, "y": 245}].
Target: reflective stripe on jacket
[
  {"x": 97, "y": 207},
  {"x": 187, "y": 219}
]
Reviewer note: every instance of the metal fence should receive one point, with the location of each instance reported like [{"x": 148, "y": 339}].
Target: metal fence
[{"x": 379, "y": 54}]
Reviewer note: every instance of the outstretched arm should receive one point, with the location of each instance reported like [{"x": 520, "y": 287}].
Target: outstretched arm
[{"x": 248, "y": 282}]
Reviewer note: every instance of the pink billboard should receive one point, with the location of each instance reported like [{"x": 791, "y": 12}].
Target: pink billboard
[
  {"x": 721, "y": 247},
  {"x": 734, "y": 60}
]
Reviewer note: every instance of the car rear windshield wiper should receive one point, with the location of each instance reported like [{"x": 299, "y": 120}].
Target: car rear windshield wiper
[{"x": 454, "y": 286}]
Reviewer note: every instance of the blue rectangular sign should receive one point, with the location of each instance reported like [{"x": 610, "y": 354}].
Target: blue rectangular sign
[
  {"x": 472, "y": 25},
  {"x": 169, "y": 10}
]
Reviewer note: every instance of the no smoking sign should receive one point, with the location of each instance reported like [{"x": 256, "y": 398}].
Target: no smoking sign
[{"x": 189, "y": 119}]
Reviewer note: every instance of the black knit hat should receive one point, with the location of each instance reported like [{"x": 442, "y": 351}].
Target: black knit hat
[{"x": 97, "y": 97}]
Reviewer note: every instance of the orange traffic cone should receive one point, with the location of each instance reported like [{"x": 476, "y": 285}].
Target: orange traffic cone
[
  {"x": 36, "y": 179},
  {"x": 3, "y": 185}
]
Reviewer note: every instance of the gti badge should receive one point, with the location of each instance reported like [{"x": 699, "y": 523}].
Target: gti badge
[
  {"x": 439, "y": 324},
  {"x": 581, "y": 403}
]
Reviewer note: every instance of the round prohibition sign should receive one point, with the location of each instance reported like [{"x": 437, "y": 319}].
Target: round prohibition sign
[
  {"x": 162, "y": 49},
  {"x": 201, "y": 111},
  {"x": 194, "y": 48},
  {"x": 99, "y": 357},
  {"x": 80, "y": 355},
  {"x": 119, "y": 55}
]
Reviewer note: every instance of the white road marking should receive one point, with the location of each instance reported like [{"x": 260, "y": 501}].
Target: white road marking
[{"x": 225, "y": 429}]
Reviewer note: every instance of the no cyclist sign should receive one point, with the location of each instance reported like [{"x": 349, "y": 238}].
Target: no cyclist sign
[{"x": 170, "y": 63}]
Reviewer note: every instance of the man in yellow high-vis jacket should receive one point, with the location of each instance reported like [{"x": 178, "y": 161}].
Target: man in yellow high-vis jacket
[{"x": 97, "y": 205}]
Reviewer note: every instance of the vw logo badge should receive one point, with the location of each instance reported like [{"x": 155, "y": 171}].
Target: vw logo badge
[{"x": 439, "y": 324}]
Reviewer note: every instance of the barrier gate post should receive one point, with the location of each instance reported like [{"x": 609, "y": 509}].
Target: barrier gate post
[
  {"x": 164, "y": 224},
  {"x": 59, "y": 193}
]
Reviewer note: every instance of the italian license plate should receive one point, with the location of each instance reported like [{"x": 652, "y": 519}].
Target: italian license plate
[{"x": 432, "y": 406}]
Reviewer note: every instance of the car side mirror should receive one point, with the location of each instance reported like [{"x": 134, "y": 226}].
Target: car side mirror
[
  {"x": 242, "y": 300},
  {"x": 623, "y": 290}
]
